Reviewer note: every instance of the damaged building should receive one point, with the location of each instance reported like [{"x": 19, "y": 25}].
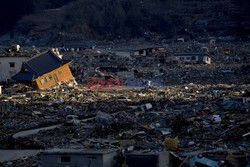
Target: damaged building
[
  {"x": 191, "y": 58},
  {"x": 146, "y": 50},
  {"x": 44, "y": 70}
]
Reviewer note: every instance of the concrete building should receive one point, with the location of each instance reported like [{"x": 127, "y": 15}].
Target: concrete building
[
  {"x": 146, "y": 50},
  {"x": 10, "y": 65},
  {"x": 191, "y": 58},
  {"x": 79, "y": 158}
]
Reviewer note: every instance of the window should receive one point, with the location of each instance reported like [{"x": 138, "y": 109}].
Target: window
[
  {"x": 55, "y": 77},
  {"x": 43, "y": 81},
  {"x": 12, "y": 64},
  {"x": 49, "y": 78},
  {"x": 181, "y": 58},
  {"x": 193, "y": 57},
  {"x": 188, "y": 58},
  {"x": 207, "y": 58},
  {"x": 65, "y": 158}
]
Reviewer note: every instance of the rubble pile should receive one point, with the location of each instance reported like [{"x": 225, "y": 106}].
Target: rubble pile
[{"x": 183, "y": 119}]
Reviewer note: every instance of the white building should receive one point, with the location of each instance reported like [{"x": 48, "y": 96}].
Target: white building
[
  {"x": 10, "y": 65},
  {"x": 79, "y": 158},
  {"x": 192, "y": 58}
]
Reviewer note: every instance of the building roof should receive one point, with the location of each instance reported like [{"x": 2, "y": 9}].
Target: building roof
[
  {"x": 24, "y": 76},
  {"x": 79, "y": 45},
  {"x": 39, "y": 65},
  {"x": 78, "y": 151}
]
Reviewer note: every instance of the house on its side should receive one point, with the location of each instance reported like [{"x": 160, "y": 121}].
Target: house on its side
[
  {"x": 44, "y": 70},
  {"x": 10, "y": 65},
  {"x": 192, "y": 58}
]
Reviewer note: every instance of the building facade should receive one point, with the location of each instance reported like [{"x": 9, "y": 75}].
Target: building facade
[
  {"x": 191, "y": 58},
  {"x": 10, "y": 65},
  {"x": 79, "y": 158}
]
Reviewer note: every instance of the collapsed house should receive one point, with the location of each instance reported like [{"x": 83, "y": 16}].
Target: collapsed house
[
  {"x": 148, "y": 55},
  {"x": 44, "y": 70}
]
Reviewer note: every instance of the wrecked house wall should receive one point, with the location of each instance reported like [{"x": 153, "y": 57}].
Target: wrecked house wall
[{"x": 60, "y": 74}]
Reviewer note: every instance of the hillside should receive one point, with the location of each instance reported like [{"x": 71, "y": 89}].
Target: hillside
[{"x": 66, "y": 20}]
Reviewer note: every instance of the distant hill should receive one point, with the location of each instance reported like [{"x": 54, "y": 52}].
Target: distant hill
[{"x": 56, "y": 21}]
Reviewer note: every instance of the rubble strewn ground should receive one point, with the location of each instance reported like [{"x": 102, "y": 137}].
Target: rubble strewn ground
[{"x": 199, "y": 109}]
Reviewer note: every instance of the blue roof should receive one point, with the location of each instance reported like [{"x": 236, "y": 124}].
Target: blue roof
[
  {"x": 39, "y": 65},
  {"x": 43, "y": 63},
  {"x": 24, "y": 76}
]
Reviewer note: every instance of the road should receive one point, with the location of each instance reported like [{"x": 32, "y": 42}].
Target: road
[{"x": 34, "y": 131}]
